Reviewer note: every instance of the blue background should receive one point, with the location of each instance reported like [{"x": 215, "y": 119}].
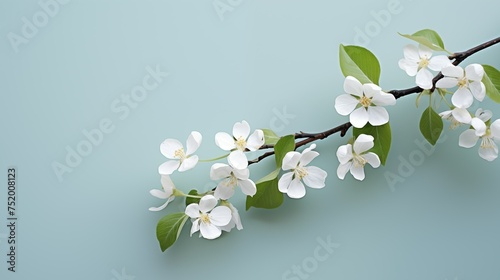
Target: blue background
[{"x": 252, "y": 62}]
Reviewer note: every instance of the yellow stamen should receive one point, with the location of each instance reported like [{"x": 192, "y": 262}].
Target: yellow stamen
[{"x": 365, "y": 101}]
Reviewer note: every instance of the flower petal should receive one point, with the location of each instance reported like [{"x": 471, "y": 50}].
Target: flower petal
[
  {"x": 383, "y": 99},
  {"x": 167, "y": 184},
  {"x": 424, "y": 52},
  {"x": 358, "y": 172},
  {"x": 479, "y": 126},
  {"x": 169, "y": 146},
  {"x": 484, "y": 115},
  {"x": 353, "y": 86},
  {"x": 220, "y": 216},
  {"x": 478, "y": 90},
  {"x": 370, "y": 90},
  {"x": 224, "y": 190},
  {"x": 237, "y": 159},
  {"x": 363, "y": 143},
  {"x": 219, "y": 171},
  {"x": 495, "y": 129},
  {"x": 453, "y": 71},
  {"x": 256, "y": 140},
  {"x": 409, "y": 66},
  {"x": 447, "y": 82},
  {"x": 372, "y": 159},
  {"x": 163, "y": 206},
  {"x": 241, "y": 174},
  {"x": 241, "y": 129},
  {"x": 424, "y": 79},
  {"x": 207, "y": 203},
  {"x": 296, "y": 189},
  {"x": 468, "y": 139},
  {"x": 291, "y": 160},
  {"x": 359, "y": 117},
  {"x": 461, "y": 115},
  {"x": 307, "y": 157},
  {"x": 345, "y": 104},
  {"x": 168, "y": 167},
  {"x": 195, "y": 227},
  {"x": 188, "y": 163},
  {"x": 377, "y": 115},
  {"x": 284, "y": 182},
  {"x": 193, "y": 142},
  {"x": 159, "y": 194},
  {"x": 462, "y": 98},
  {"x": 474, "y": 72},
  {"x": 488, "y": 153},
  {"x": 343, "y": 169},
  {"x": 224, "y": 141},
  {"x": 209, "y": 231},
  {"x": 344, "y": 153},
  {"x": 193, "y": 210},
  {"x": 437, "y": 63},
  {"x": 248, "y": 187},
  {"x": 315, "y": 177}
]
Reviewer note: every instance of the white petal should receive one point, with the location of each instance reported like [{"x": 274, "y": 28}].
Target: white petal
[
  {"x": 307, "y": 157},
  {"x": 291, "y": 160},
  {"x": 437, "y": 63},
  {"x": 462, "y": 98},
  {"x": 168, "y": 167},
  {"x": 159, "y": 194},
  {"x": 308, "y": 149},
  {"x": 248, "y": 187},
  {"x": 372, "y": 159},
  {"x": 219, "y": 171},
  {"x": 424, "y": 78},
  {"x": 188, "y": 163},
  {"x": 479, "y": 126},
  {"x": 195, "y": 227},
  {"x": 193, "y": 210},
  {"x": 169, "y": 146},
  {"x": 167, "y": 184},
  {"x": 484, "y": 115},
  {"x": 383, "y": 99},
  {"x": 447, "y": 82},
  {"x": 424, "y": 51},
  {"x": 474, "y": 72},
  {"x": 410, "y": 67},
  {"x": 224, "y": 141},
  {"x": 207, "y": 203},
  {"x": 296, "y": 189},
  {"x": 256, "y": 140},
  {"x": 478, "y": 90},
  {"x": 359, "y": 117},
  {"x": 315, "y": 177},
  {"x": 236, "y": 217},
  {"x": 363, "y": 143},
  {"x": 495, "y": 129},
  {"x": 193, "y": 142},
  {"x": 377, "y": 115},
  {"x": 163, "y": 206},
  {"x": 209, "y": 231},
  {"x": 411, "y": 53},
  {"x": 445, "y": 114},
  {"x": 370, "y": 90},
  {"x": 241, "y": 129},
  {"x": 353, "y": 86},
  {"x": 342, "y": 170},
  {"x": 453, "y": 71},
  {"x": 345, "y": 104},
  {"x": 241, "y": 174},
  {"x": 461, "y": 115},
  {"x": 224, "y": 190},
  {"x": 488, "y": 154},
  {"x": 358, "y": 172},
  {"x": 220, "y": 216},
  {"x": 344, "y": 153},
  {"x": 237, "y": 159},
  {"x": 284, "y": 182},
  {"x": 468, "y": 139}
]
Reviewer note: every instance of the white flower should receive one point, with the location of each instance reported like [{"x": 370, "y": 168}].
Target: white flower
[
  {"x": 239, "y": 142},
  {"x": 168, "y": 192},
  {"x": 354, "y": 157},
  {"x": 457, "y": 116},
  {"x": 207, "y": 219},
  {"x": 488, "y": 149},
  {"x": 235, "y": 218},
  {"x": 180, "y": 159},
  {"x": 291, "y": 182},
  {"x": 468, "y": 82},
  {"x": 416, "y": 62},
  {"x": 368, "y": 99},
  {"x": 231, "y": 178}
]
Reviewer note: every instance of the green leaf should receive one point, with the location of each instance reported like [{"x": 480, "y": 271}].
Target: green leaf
[
  {"x": 190, "y": 200},
  {"x": 382, "y": 141},
  {"x": 491, "y": 81},
  {"x": 360, "y": 63},
  {"x": 431, "y": 125},
  {"x": 169, "y": 228},
  {"x": 428, "y": 38},
  {"x": 283, "y": 146},
  {"x": 269, "y": 176},
  {"x": 270, "y": 137},
  {"x": 268, "y": 196}
]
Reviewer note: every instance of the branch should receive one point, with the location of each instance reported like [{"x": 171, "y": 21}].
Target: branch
[{"x": 457, "y": 58}]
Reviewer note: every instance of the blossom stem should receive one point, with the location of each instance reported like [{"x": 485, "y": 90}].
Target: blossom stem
[
  {"x": 343, "y": 128},
  {"x": 213, "y": 159}
]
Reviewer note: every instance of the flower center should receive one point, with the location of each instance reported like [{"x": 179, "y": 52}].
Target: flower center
[
  {"x": 300, "y": 172},
  {"x": 205, "y": 218},
  {"x": 241, "y": 143},
  {"x": 424, "y": 62},
  {"x": 487, "y": 141},
  {"x": 179, "y": 153},
  {"x": 462, "y": 82},
  {"x": 358, "y": 160},
  {"x": 231, "y": 181},
  {"x": 365, "y": 101}
]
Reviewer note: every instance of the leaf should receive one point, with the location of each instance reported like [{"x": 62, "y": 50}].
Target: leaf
[
  {"x": 270, "y": 137},
  {"x": 284, "y": 145},
  {"x": 269, "y": 176},
  {"x": 190, "y": 200},
  {"x": 491, "y": 81},
  {"x": 382, "y": 141},
  {"x": 169, "y": 228},
  {"x": 268, "y": 196},
  {"x": 428, "y": 38},
  {"x": 431, "y": 125},
  {"x": 360, "y": 63}
]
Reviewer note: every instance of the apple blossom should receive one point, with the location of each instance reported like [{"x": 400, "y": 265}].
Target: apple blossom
[
  {"x": 168, "y": 193},
  {"x": 179, "y": 159},
  {"x": 354, "y": 157},
  {"x": 231, "y": 178},
  {"x": 488, "y": 149},
  {"x": 207, "y": 218},
  {"x": 468, "y": 82}
]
